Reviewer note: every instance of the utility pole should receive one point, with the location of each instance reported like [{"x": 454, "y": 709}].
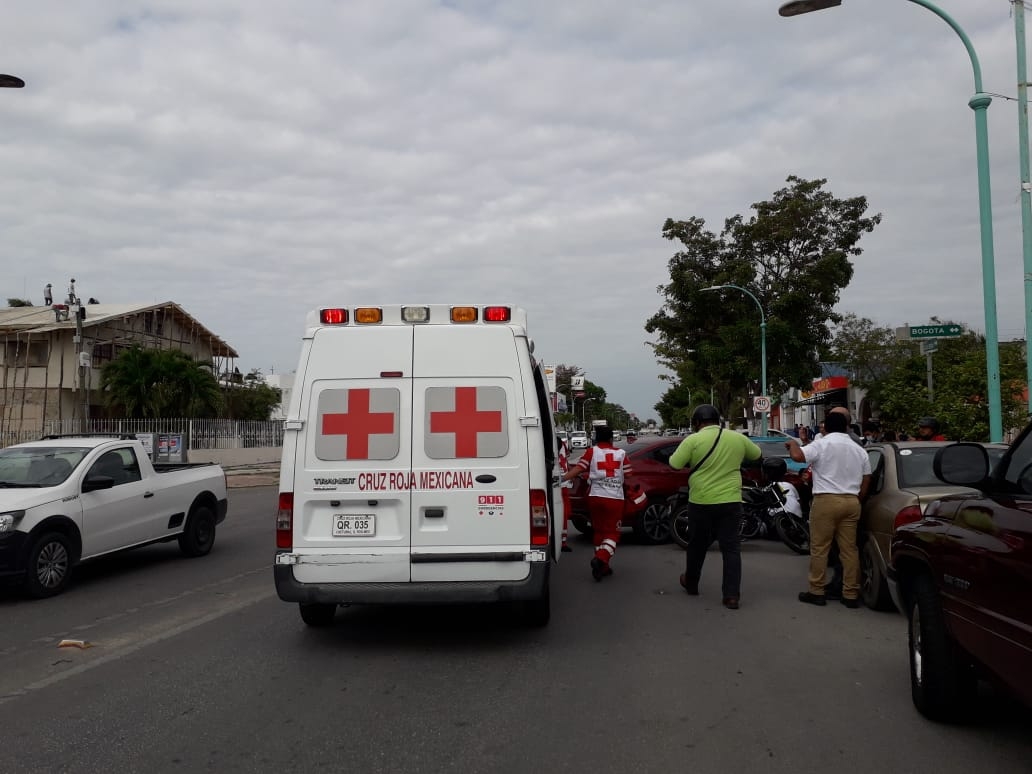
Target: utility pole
[
  {"x": 1018, "y": 8},
  {"x": 80, "y": 354}
]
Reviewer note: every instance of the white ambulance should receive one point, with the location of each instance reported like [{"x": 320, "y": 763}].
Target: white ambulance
[{"x": 419, "y": 463}]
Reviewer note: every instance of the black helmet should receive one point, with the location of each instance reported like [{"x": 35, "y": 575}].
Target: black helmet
[
  {"x": 774, "y": 468},
  {"x": 705, "y": 414},
  {"x": 931, "y": 422}
]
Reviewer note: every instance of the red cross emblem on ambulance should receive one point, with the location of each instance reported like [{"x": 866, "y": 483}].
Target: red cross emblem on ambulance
[
  {"x": 358, "y": 424},
  {"x": 466, "y": 422}
]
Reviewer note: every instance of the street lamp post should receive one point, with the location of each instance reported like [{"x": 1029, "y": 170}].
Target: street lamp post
[
  {"x": 584, "y": 414},
  {"x": 979, "y": 103},
  {"x": 763, "y": 342}
]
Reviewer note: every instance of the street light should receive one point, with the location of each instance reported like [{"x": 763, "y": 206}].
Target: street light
[
  {"x": 583, "y": 415},
  {"x": 979, "y": 103},
  {"x": 11, "y": 82},
  {"x": 763, "y": 338}
]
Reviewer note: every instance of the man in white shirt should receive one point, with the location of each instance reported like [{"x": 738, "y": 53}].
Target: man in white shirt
[{"x": 841, "y": 473}]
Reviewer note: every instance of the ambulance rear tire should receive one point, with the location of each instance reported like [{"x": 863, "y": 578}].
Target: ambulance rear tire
[
  {"x": 317, "y": 613},
  {"x": 536, "y": 612}
]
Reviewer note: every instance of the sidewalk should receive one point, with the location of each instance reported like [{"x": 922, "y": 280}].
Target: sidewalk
[{"x": 239, "y": 476}]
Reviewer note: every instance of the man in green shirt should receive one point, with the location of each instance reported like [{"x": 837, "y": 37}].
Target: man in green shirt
[{"x": 715, "y": 499}]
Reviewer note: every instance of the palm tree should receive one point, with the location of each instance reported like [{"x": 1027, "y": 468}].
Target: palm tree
[{"x": 144, "y": 383}]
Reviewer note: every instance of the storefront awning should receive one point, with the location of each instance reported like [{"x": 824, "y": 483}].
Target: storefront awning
[{"x": 825, "y": 397}]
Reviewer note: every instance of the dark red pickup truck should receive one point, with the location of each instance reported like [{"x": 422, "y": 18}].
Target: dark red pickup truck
[{"x": 963, "y": 577}]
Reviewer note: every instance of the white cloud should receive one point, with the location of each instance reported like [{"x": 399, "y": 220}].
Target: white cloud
[{"x": 251, "y": 160}]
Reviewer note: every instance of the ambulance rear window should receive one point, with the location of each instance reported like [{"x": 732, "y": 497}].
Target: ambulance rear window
[
  {"x": 358, "y": 424},
  {"x": 466, "y": 422}
]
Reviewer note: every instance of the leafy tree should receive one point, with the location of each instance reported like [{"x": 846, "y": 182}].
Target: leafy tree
[
  {"x": 252, "y": 400},
  {"x": 793, "y": 254},
  {"x": 959, "y": 381},
  {"x": 160, "y": 383},
  {"x": 19, "y": 302},
  {"x": 868, "y": 351}
]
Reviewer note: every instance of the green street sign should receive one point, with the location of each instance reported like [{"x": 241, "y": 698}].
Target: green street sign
[{"x": 934, "y": 331}]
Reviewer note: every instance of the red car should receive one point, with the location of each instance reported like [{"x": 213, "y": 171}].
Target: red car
[{"x": 650, "y": 460}]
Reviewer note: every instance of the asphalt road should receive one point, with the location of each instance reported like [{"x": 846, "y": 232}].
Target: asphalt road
[{"x": 196, "y": 665}]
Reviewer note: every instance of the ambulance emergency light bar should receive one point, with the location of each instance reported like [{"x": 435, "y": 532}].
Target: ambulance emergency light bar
[{"x": 374, "y": 315}]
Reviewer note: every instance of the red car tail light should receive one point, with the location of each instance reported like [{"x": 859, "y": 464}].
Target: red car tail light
[
  {"x": 908, "y": 515},
  {"x": 285, "y": 521}
]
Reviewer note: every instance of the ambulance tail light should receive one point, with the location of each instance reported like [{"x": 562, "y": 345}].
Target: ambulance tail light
[
  {"x": 285, "y": 521},
  {"x": 538, "y": 518},
  {"x": 497, "y": 314},
  {"x": 367, "y": 315},
  {"x": 464, "y": 314},
  {"x": 333, "y": 316},
  {"x": 415, "y": 314}
]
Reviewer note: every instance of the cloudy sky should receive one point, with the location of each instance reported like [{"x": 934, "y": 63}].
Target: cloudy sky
[{"x": 251, "y": 160}]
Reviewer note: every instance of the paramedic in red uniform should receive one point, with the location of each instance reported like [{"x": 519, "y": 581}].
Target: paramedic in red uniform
[
  {"x": 564, "y": 466},
  {"x": 606, "y": 467}
]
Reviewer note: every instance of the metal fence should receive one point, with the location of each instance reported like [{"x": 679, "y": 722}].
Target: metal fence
[{"x": 196, "y": 433}]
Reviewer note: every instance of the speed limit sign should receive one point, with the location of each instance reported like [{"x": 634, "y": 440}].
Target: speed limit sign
[{"x": 761, "y": 403}]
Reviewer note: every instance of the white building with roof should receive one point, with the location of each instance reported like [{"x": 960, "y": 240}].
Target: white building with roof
[{"x": 48, "y": 374}]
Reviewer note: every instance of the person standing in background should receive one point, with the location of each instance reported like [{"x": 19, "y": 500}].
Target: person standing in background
[
  {"x": 714, "y": 499},
  {"x": 841, "y": 473}
]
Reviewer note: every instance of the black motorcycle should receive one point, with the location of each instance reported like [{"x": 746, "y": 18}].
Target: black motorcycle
[{"x": 763, "y": 515}]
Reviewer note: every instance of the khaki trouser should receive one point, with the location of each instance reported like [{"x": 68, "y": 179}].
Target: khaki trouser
[{"x": 834, "y": 516}]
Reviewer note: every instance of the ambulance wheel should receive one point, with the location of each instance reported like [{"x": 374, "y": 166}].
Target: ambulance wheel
[
  {"x": 317, "y": 614},
  {"x": 582, "y": 525},
  {"x": 536, "y": 612}
]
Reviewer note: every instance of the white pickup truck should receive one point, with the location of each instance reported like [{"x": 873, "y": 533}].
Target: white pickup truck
[{"x": 66, "y": 499}]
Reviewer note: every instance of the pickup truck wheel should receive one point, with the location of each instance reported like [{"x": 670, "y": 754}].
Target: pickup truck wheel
[
  {"x": 317, "y": 613},
  {"x": 873, "y": 589},
  {"x": 199, "y": 534},
  {"x": 942, "y": 680},
  {"x": 49, "y": 567},
  {"x": 653, "y": 526}
]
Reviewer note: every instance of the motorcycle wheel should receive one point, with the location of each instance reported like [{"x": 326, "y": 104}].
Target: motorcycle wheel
[
  {"x": 794, "y": 533},
  {"x": 681, "y": 526},
  {"x": 751, "y": 526}
]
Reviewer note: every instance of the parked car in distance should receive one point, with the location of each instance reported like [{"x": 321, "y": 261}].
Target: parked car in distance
[
  {"x": 963, "y": 576},
  {"x": 903, "y": 484},
  {"x": 67, "y": 499},
  {"x": 650, "y": 461},
  {"x": 578, "y": 439}
]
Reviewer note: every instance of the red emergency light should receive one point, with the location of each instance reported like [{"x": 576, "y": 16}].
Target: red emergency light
[
  {"x": 333, "y": 316},
  {"x": 497, "y": 314}
]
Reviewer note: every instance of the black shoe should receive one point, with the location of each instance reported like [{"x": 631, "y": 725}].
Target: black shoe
[
  {"x": 691, "y": 588},
  {"x": 852, "y": 604},
  {"x": 812, "y": 599},
  {"x": 600, "y": 569},
  {"x": 731, "y": 603},
  {"x": 566, "y": 549}
]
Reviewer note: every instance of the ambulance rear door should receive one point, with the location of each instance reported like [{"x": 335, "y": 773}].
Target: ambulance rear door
[
  {"x": 470, "y": 495},
  {"x": 353, "y": 525}
]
